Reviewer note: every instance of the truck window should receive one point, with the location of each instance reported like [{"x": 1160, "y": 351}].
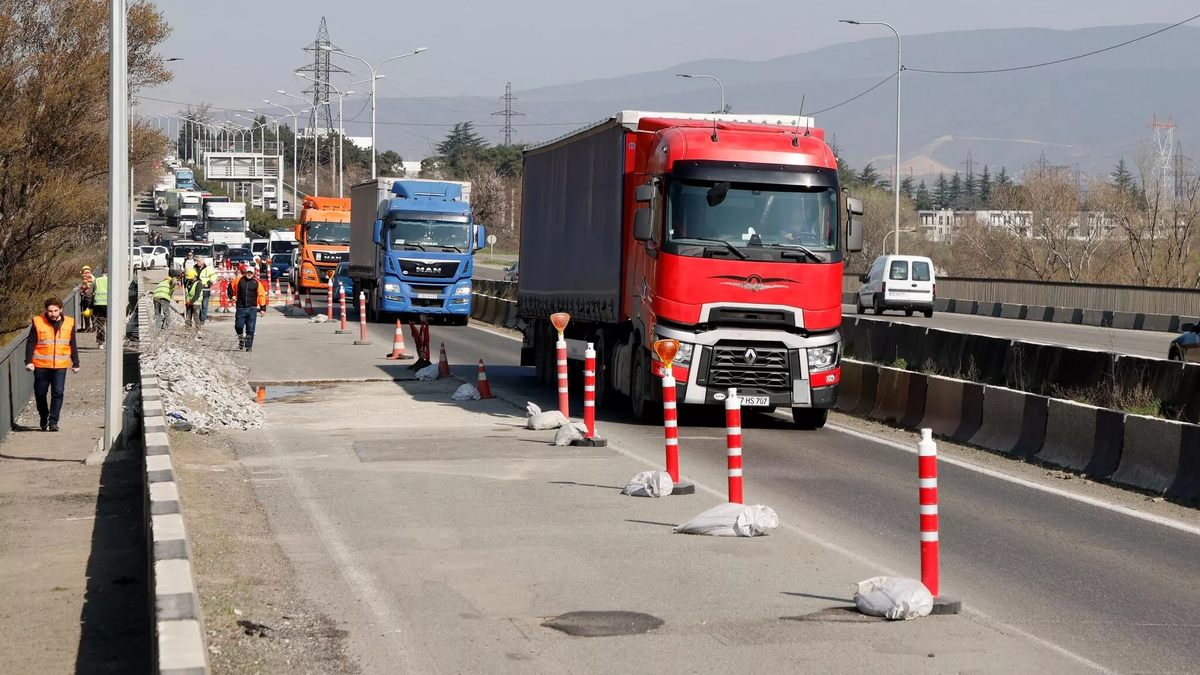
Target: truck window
[
  {"x": 773, "y": 215},
  {"x": 920, "y": 270},
  {"x": 899, "y": 270}
]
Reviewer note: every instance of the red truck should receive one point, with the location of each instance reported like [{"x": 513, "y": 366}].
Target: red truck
[{"x": 724, "y": 232}]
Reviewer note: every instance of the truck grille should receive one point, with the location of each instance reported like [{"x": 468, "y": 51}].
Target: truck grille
[
  {"x": 429, "y": 270},
  {"x": 756, "y": 366}
]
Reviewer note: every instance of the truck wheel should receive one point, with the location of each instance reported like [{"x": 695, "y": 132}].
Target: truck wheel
[
  {"x": 460, "y": 320},
  {"x": 601, "y": 368},
  {"x": 539, "y": 352},
  {"x": 640, "y": 404},
  {"x": 809, "y": 419},
  {"x": 550, "y": 353},
  {"x": 373, "y": 305}
]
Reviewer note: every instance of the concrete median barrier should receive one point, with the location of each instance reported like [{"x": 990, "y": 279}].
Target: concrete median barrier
[
  {"x": 1014, "y": 422},
  {"x": 1038, "y": 313},
  {"x": 868, "y": 391},
  {"x": 851, "y": 385},
  {"x": 900, "y": 397},
  {"x": 941, "y": 304},
  {"x": 476, "y": 305},
  {"x": 943, "y": 406},
  {"x": 964, "y": 306},
  {"x": 491, "y": 309},
  {"x": 1011, "y": 311},
  {"x": 511, "y": 318},
  {"x": 1083, "y": 438},
  {"x": 991, "y": 309},
  {"x": 1160, "y": 322},
  {"x": 1161, "y": 456}
]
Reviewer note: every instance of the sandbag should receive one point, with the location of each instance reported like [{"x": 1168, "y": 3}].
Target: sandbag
[
  {"x": 551, "y": 419},
  {"x": 318, "y": 318},
  {"x": 893, "y": 598},
  {"x": 466, "y": 392},
  {"x": 732, "y": 520},
  {"x": 532, "y": 409},
  {"x": 569, "y": 433},
  {"x": 429, "y": 372},
  {"x": 649, "y": 484}
]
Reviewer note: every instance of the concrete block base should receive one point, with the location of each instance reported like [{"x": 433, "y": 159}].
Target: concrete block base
[
  {"x": 594, "y": 442},
  {"x": 944, "y": 605},
  {"x": 683, "y": 488},
  {"x": 362, "y": 342}
]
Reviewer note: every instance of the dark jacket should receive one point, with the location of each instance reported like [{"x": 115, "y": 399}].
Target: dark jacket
[{"x": 248, "y": 292}]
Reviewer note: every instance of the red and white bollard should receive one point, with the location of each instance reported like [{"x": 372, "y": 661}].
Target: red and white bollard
[
  {"x": 927, "y": 479},
  {"x": 930, "y": 546},
  {"x": 342, "y": 303},
  {"x": 362, "y": 320},
  {"x": 671, "y": 420},
  {"x": 590, "y": 438},
  {"x": 329, "y": 300},
  {"x": 267, "y": 277},
  {"x": 560, "y": 320},
  {"x": 733, "y": 443}
]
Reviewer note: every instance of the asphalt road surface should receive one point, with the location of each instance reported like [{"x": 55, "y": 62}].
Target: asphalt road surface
[{"x": 1109, "y": 590}]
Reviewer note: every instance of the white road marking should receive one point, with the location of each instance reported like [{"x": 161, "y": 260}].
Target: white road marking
[
  {"x": 992, "y": 473},
  {"x": 496, "y": 333}
]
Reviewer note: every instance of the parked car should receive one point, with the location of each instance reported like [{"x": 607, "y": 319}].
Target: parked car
[
  {"x": 512, "y": 272},
  {"x": 154, "y": 257},
  {"x": 1186, "y": 347},
  {"x": 281, "y": 265},
  {"x": 256, "y": 201},
  {"x": 140, "y": 227},
  {"x": 904, "y": 282}
]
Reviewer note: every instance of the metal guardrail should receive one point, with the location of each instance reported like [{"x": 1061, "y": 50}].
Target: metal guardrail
[
  {"x": 1111, "y": 297},
  {"x": 16, "y": 383}
]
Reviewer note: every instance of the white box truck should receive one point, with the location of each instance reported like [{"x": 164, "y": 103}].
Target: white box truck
[{"x": 226, "y": 223}]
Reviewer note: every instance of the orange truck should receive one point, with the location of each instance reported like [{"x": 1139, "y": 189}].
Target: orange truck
[{"x": 323, "y": 241}]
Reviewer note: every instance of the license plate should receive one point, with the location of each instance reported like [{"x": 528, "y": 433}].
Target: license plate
[
  {"x": 760, "y": 401},
  {"x": 427, "y": 296}
]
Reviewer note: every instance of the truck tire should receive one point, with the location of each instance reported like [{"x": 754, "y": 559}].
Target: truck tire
[
  {"x": 550, "y": 355},
  {"x": 539, "y": 352},
  {"x": 460, "y": 320},
  {"x": 639, "y": 400},
  {"x": 601, "y": 348},
  {"x": 809, "y": 419}
]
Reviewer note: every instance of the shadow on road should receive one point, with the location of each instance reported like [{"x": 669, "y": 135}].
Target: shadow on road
[{"x": 115, "y": 623}]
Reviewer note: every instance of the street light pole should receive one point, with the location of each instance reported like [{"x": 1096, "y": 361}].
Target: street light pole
[
  {"x": 895, "y": 233},
  {"x": 374, "y": 76},
  {"x": 341, "y": 158},
  {"x": 295, "y": 157},
  {"x": 118, "y": 220},
  {"x": 899, "y": 70},
  {"x": 714, "y": 79},
  {"x": 316, "y": 149}
]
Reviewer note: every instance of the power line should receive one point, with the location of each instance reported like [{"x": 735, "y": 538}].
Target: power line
[
  {"x": 1056, "y": 61},
  {"x": 856, "y": 97}
]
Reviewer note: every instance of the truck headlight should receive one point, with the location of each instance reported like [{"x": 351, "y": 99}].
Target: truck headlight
[
  {"x": 318, "y": 256},
  {"x": 391, "y": 288},
  {"x": 822, "y": 358},
  {"x": 683, "y": 357},
  {"x": 462, "y": 290}
]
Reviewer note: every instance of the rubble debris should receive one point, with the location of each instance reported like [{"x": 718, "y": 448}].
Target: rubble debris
[{"x": 200, "y": 390}]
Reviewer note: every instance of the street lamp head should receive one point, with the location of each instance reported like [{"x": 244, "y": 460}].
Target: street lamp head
[
  {"x": 267, "y": 102},
  {"x": 280, "y": 91},
  {"x": 418, "y": 50},
  {"x": 174, "y": 58},
  {"x": 348, "y": 93},
  {"x": 849, "y": 21},
  {"x": 683, "y": 75}
]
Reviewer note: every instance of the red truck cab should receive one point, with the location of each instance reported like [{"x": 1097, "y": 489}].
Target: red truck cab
[{"x": 732, "y": 231}]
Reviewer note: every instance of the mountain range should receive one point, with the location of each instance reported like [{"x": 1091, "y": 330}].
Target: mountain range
[{"x": 1086, "y": 113}]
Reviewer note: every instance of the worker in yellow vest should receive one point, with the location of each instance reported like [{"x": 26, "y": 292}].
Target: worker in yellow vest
[{"x": 49, "y": 351}]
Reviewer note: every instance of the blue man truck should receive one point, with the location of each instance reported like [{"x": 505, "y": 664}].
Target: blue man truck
[
  {"x": 412, "y": 247},
  {"x": 185, "y": 179}
]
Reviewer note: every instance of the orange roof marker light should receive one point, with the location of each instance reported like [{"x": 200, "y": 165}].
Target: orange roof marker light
[
  {"x": 560, "y": 321},
  {"x": 666, "y": 350}
]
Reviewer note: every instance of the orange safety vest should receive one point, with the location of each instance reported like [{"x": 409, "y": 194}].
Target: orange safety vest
[{"x": 52, "y": 350}]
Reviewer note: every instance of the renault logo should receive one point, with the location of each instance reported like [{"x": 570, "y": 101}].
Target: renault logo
[{"x": 750, "y": 357}]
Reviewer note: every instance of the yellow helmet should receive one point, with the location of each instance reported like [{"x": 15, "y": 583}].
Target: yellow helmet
[
  {"x": 191, "y": 274},
  {"x": 87, "y": 312}
]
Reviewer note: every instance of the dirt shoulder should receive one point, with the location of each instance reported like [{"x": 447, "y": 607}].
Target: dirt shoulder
[{"x": 256, "y": 619}]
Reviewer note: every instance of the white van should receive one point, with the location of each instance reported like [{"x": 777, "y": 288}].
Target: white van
[{"x": 904, "y": 282}]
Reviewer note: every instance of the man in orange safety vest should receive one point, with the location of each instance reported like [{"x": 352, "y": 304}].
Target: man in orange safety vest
[{"x": 49, "y": 350}]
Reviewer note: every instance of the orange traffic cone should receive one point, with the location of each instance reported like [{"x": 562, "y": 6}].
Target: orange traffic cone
[
  {"x": 443, "y": 364},
  {"x": 485, "y": 390},
  {"x": 398, "y": 345},
  {"x": 262, "y": 394},
  {"x": 294, "y": 302},
  {"x": 308, "y": 304}
]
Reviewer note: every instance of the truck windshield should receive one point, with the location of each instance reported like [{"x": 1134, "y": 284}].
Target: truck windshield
[
  {"x": 330, "y": 234},
  {"x": 226, "y": 225},
  {"x": 753, "y": 215},
  {"x": 453, "y": 232},
  {"x": 182, "y": 251}
]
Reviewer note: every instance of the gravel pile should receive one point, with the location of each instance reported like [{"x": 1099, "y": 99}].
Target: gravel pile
[{"x": 201, "y": 391}]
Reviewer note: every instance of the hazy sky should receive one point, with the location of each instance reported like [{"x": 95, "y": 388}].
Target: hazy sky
[{"x": 237, "y": 53}]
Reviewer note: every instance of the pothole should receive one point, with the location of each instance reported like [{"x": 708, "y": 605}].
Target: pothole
[
  {"x": 274, "y": 392},
  {"x": 604, "y": 624}
]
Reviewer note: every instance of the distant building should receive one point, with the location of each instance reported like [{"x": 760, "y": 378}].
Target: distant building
[
  {"x": 361, "y": 142},
  {"x": 939, "y": 225},
  {"x": 412, "y": 169}
]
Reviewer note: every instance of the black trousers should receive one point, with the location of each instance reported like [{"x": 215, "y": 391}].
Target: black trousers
[{"x": 52, "y": 381}]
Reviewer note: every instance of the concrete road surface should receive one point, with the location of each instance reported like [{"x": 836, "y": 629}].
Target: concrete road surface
[
  {"x": 489, "y": 271},
  {"x": 441, "y": 534}
]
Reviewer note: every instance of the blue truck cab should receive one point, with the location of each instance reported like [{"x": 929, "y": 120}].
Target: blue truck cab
[{"x": 420, "y": 257}]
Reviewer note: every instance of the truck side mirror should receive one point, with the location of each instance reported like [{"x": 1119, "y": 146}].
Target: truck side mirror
[
  {"x": 378, "y": 235},
  {"x": 864, "y": 278},
  {"x": 480, "y": 238},
  {"x": 854, "y": 205},
  {"x": 643, "y": 194},
  {"x": 642, "y": 228},
  {"x": 854, "y": 235}
]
